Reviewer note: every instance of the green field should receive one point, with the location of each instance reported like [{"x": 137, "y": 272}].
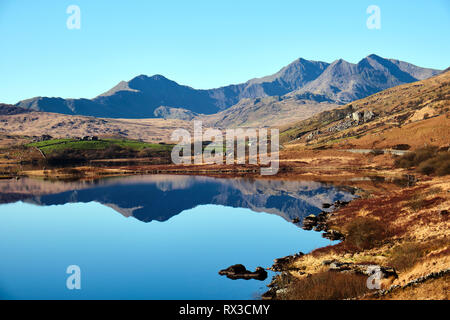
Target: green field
[{"x": 47, "y": 147}]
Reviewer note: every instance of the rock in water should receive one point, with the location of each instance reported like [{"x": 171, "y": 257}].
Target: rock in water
[{"x": 238, "y": 271}]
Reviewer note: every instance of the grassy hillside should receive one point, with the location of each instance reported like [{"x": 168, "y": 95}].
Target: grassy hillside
[
  {"x": 50, "y": 146},
  {"x": 413, "y": 114},
  {"x": 68, "y": 151}
]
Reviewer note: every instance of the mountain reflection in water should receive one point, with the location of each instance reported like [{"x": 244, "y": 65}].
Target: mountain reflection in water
[{"x": 160, "y": 197}]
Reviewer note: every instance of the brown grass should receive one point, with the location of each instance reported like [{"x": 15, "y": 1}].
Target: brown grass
[
  {"x": 416, "y": 202},
  {"x": 406, "y": 255},
  {"x": 327, "y": 286},
  {"x": 63, "y": 126},
  {"x": 435, "y": 289}
]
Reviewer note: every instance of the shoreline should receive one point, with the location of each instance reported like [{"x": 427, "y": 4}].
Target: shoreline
[{"x": 409, "y": 256}]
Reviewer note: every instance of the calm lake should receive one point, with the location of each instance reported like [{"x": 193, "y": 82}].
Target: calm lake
[{"x": 151, "y": 237}]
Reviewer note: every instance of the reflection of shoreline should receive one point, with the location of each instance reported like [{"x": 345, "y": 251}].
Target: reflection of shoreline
[{"x": 158, "y": 197}]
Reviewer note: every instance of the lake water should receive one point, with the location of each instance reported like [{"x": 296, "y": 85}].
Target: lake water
[{"x": 151, "y": 237}]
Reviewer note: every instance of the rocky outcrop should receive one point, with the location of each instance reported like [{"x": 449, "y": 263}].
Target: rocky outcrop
[
  {"x": 319, "y": 222},
  {"x": 363, "y": 116},
  {"x": 352, "y": 120},
  {"x": 282, "y": 264},
  {"x": 333, "y": 235},
  {"x": 312, "y": 135},
  {"x": 278, "y": 286},
  {"x": 174, "y": 113},
  {"x": 238, "y": 271},
  {"x": 340, "y": 204},
  {"x": 337, "y": 266},
  {"x": 415, "y": 282},
  {"x": 309, "y": 222}
]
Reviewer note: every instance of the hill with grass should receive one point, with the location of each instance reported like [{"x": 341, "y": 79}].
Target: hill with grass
[
  {"x": 415, "y": 115},
  {"x": 36, "y": 124},
  {"x": 64, "y": 151},
  {"x": 8, "y": 109}
]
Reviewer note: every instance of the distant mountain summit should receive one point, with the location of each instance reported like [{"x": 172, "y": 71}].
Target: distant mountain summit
[
  {"x": 339, "y": 82},
  {"x": 345, "y": 82}
]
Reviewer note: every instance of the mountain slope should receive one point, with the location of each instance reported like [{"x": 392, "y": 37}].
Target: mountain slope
[
  {"x": 339, "y": 82},
  {"x": 268, "y": 111}
]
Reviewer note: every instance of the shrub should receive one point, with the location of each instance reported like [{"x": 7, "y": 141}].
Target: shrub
[
  {"x": 439, "y": 164},
  {"x": 443, "y": 169},
  {"x": 427, "y": 167},
  {"x": 327, "y": 286},
  {"x": 428, "y": 160},
  {"x": 424, "y": 154},
  {"x": 364, "y": 233}
]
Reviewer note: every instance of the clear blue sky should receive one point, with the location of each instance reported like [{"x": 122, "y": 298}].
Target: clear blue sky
[{"x": 202, "y": 43}]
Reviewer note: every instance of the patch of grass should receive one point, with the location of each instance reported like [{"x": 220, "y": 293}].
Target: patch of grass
[
  {"x": 365, "y": 233},
  {"x": 433, "y": 191},
  {"x": 328, "y": 286},
  {"x": 139, "y": 145},
  {"x": 416, "y": 202},
  {"x": 406, "y": 255},
  {"x": 48, "y": 143}
]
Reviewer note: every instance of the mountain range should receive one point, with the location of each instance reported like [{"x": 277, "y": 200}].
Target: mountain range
[{"x": 301, "y": 82}]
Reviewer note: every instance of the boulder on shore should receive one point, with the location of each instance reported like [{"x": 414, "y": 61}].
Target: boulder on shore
[
  {"x": 333, "y": 235},
  {"x": 309, "y": 222}
]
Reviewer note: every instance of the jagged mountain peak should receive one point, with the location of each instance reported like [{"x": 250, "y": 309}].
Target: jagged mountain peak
[{"x": 338, "y": 82}]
